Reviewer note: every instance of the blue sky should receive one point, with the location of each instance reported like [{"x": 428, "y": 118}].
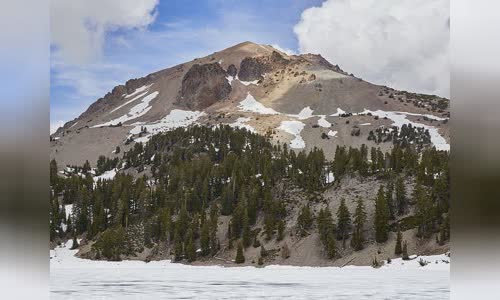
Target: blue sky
[
  {"x": 181, "y": 31},
  {"x": 98, "y": 44}
]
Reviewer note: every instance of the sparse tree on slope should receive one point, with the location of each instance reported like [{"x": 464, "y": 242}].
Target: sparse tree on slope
[
  {"x": 381, "y": 217},
  {"x": 343, "y": 222}
]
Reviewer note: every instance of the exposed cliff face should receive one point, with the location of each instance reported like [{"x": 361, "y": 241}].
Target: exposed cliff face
[
  {"x": 204, "y": 85},
  {"x": 232, "y": 71},
  {"x": 252, "y": 68}
]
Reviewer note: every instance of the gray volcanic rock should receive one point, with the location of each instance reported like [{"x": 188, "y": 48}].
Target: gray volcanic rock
[
  {"x": 251, "y": 68},
  {"x": 204, "y": 85},
  {"x": 231, "y": 70}
]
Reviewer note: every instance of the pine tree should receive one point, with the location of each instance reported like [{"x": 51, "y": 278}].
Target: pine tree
[
  {"x": 343, "y": 222},
  {"x": 398, "y": 249},
  {"x": 190, "y": 246},
  {"x": 359, "y": 221},
  {"x": 405, "y": 251},
  {"x": 178, "y": 250},
  {"x": 214, "y": 225},
  {"x": 240, "y": 258},
  {"x": 331, "y": 246},
  {"x": 381, "y": 217},
  {"x": 304, "y": 220},
  {"x": 281, "y": 230},
  {"x": 205, "y": 239},
  {"x": 423, "y": 211},
  {"x": 75, "y": 244},
  {"x": 400, "y": 196}
]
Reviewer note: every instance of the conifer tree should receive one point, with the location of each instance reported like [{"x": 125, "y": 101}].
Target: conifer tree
[
  {"x": 178, "y": 250},
  {"x": 331, "y": 246},
  {"x": 214, "y": 225},
  {"x": 304, "y": 220},
  {"x": 423, "y": 211},
  {"x": 398, "y": 249},
  {"x": 343, "y": 222},
  {"x": 281, "y": 230},
  {"x": 205, "y": 239},
  {"x": 75, "y": 244},
  {"x": 240, "y": 258},
  {"x": 400, "y": 196},
  {"x": 405, "y": 251},
  {"x": 190, "y": 246},
  {"x": 359, "y": 221},
  {"x": 381, "y": 217},
  {"x": 245, "y": 235}
]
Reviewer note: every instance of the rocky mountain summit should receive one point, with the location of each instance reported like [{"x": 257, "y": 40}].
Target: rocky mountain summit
[{"x": 321, "y": 100}]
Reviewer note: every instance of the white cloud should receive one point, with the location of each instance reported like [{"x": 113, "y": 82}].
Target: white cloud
[
  {"x": 403, "y": 44},
  {"x": 54, "y": 125},
  {"x": 78, "y": 27},
  {"x": 284, "y": 50}
]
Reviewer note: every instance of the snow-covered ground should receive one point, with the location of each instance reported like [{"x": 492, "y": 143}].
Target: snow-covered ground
[
  {"x": 249, "y": 104},
  {"x": 240, "y": 123},
  {"x": 74, "y": 278},
  {"x": 108, "y": 175},
  {"x": 400, "y": 118},
  {"x": 135, "y": 112},
  {"x": 176, "y": 118},
  {"x": 294, "y": 128}
]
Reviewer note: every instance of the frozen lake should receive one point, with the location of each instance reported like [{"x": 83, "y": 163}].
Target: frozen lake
[{"x": 73, "y": 278}]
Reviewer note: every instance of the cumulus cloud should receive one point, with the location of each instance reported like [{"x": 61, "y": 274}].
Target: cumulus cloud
[
  {"x": 403, "y": 44},
  {"x": 78, "y": 27}
]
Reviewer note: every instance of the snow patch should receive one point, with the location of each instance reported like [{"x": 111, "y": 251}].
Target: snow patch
[
  {"x": 305, "y": 113},
  {"x": 129, "y": 101},
  {"x": 230, "y": 79},
  {"x": 247, "y": 82},
  {"x": 176, "y": 118},
  {"x": 338, "y": 113},
  {"x": 135, "y": 112},
  {"x": 249, "y": 104},
  {"x": 294, "y": 128},
  {"x": 108, "y": 175},
  {"x": 365, "y": 124},
  {"x": 323, "y": 122},
  {"x": 330, "y": 178},
  {"x": 400, "y": 118},
  {"x": 240, "y": 123},
  {"x": 138, "y": 90},
  {"x": 332, "y": 133}
]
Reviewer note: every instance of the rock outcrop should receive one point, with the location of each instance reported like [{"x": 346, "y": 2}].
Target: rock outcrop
[
  {"x": 204, "y": 85},
  {"x": 232, "y": 71}
]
